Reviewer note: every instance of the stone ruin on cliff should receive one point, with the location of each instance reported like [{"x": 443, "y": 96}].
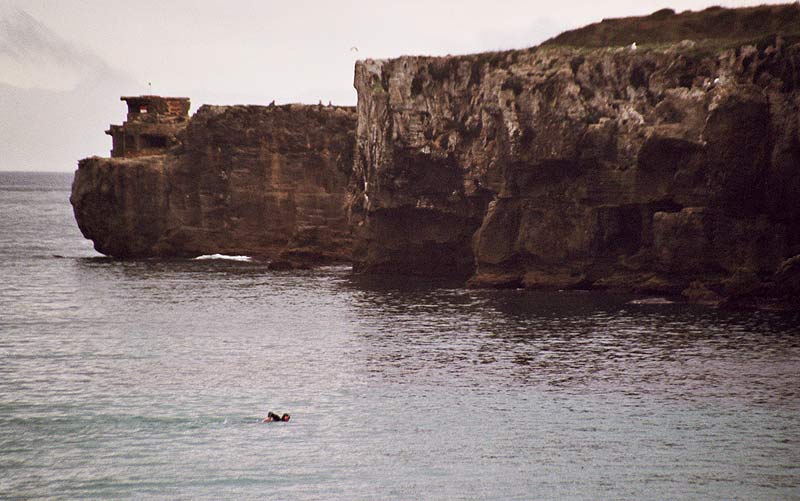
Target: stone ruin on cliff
[{"x": 152, "y": 125}]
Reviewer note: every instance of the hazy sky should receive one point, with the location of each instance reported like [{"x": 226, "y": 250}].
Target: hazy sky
[{"x": 228, "y": 52}]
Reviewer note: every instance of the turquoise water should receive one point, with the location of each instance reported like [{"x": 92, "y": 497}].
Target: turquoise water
[{"x": 149, "y": 379}]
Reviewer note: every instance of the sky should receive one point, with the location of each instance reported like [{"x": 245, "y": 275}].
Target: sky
[{"x": 64, "y": 63}]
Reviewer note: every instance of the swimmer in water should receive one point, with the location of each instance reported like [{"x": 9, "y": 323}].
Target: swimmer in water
[{"x": 271, "y": 416}]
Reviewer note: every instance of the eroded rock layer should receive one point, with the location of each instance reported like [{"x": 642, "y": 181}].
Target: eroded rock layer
[
  {"x": 264, "y": 181},
  {"x": 668, "y": 168}
]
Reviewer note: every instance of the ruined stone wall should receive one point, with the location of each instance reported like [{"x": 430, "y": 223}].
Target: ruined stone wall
[
  {"x": 152, "y": 126},
  {"x": 264, "y": 181},
  {"x": 672, "y": 168}
]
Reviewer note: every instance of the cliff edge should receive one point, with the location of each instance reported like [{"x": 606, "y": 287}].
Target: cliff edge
[{"x": 663, "y": 160}]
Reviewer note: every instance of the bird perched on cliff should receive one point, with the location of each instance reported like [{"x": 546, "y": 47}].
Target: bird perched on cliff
[{"x": 632, "y": 46}]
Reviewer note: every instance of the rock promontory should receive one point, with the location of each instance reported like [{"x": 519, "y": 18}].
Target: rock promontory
[
  {"x": 657, "y": 154},
  {"x": 263, "y": 181}
]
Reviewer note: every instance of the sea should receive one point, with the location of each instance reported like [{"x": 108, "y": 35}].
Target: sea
[{"x": 149, "y": 379}]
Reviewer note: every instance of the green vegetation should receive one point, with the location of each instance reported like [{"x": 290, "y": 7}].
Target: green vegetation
[{"x": 729, "y": 26}]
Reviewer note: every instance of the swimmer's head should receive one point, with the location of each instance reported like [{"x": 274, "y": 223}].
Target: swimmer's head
[{"x": 285, "y": 417}]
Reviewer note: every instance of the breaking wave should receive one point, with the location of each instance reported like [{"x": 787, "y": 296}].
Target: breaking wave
[{"x": 223, "y": 256}]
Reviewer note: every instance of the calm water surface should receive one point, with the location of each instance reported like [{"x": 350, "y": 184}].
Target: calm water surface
[{"x": 148, "y": 379}]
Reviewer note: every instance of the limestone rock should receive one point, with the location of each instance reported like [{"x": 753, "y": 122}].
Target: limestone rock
[
  {"x": 269, "y": 182},
  {"x": 588, "y": 166}
]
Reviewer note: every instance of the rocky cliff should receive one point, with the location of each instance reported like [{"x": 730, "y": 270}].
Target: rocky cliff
[
  {"x": 264, "y": 181},
  {"x": 636, "y": 154}
]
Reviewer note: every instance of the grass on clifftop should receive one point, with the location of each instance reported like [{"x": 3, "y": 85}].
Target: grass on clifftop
[{"x": 665, "y": 26}]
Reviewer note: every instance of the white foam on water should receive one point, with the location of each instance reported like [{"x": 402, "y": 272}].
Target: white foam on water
[
  {"x": 652, "y": 300},
  {"x": 223, "y": 256}
]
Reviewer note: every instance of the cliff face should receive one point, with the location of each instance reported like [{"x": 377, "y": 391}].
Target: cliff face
[
  {"x": 663, "y": 168},
  {"x": 262, "y": 181}
]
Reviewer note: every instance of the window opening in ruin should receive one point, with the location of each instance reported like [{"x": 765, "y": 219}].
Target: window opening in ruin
[{"x": 154, "y": 141}]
